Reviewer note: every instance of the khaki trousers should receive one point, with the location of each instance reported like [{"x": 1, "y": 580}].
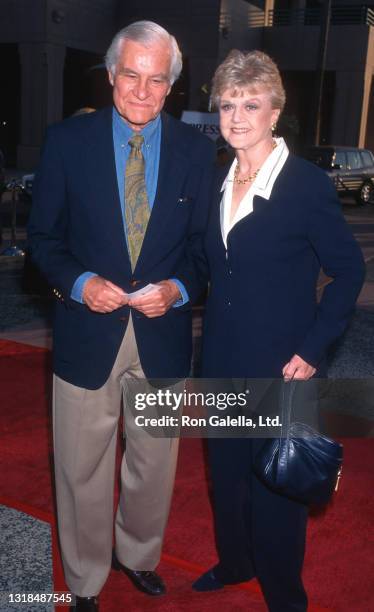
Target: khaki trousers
[{"x": 85, "y": 426}]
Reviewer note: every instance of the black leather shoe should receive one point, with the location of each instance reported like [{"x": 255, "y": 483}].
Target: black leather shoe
[
  {"x": 85, "y": 604},
  {"x": 146, "y": 581}
]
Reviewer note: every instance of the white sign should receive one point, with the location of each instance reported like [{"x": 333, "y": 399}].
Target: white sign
[{"x": 207, "y": 123}]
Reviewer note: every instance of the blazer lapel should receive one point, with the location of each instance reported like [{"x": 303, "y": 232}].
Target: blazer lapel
[
  {"x": 172, "y": 170},
  {"x": 218, "y": 193},
  {"x": 104, "y": 186},
  {"x": 260, "y": 204}
]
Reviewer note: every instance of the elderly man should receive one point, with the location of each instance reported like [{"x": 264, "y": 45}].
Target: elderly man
[{"x": 120, "y": 201}]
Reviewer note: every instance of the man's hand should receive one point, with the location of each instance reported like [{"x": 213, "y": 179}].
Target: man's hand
[
  {"x": 297, "y": 369},
  {"x": 157, "y": 302},
  {"x": 100, "y": 295}
]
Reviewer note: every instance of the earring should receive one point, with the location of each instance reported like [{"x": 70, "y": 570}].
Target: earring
[{"x": 273, "y": 127}]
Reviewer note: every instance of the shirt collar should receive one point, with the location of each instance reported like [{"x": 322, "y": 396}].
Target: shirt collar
[
  {"x": 124, "y": 131},
  {"x": 269, "y": 170}
]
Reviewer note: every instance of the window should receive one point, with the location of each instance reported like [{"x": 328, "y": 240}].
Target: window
[
  {"x": 340, "y": 160},
  {"x": 353, "y": 160},
  {"x": 367, "y": 159}
]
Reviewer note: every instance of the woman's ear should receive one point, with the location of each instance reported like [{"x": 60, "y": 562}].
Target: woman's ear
[{"x": 275, "y": 116}]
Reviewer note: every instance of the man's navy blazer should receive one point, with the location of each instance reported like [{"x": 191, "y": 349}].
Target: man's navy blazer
[
  {"x": 76, "y": 225},
  {"x": 262, "y": 306}
]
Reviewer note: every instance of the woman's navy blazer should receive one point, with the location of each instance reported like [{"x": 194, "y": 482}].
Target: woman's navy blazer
[{"x": 262, "y": 306}]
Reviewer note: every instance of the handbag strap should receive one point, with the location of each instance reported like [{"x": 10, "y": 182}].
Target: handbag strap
[{"x": 286, "y": 395}]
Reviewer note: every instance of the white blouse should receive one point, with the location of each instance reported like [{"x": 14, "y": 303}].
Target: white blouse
[{"x": 262, "y": 186}]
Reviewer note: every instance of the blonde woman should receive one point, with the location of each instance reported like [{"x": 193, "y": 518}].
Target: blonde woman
[{"x": 275, "y": 221}]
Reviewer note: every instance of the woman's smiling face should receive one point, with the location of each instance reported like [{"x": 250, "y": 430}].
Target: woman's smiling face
[{"x": 246, "y": 117}]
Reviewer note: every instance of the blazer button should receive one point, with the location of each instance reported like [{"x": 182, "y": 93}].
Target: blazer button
[{"x": 134, "y": 282}]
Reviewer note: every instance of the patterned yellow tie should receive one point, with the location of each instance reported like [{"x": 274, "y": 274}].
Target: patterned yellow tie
[{"x": 136, "y": 201}]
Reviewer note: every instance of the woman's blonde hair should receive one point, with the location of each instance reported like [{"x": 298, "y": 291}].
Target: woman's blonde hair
[{"x": 249, "y": 71}]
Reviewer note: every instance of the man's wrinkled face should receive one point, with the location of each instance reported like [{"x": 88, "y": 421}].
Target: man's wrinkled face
[{"x": 141, "y": 82}]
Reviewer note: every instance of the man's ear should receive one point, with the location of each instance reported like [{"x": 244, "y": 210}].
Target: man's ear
[{"x": 110, "y": 77}]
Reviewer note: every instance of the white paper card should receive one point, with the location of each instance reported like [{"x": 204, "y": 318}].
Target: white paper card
[{"x": 147, "y": 289}]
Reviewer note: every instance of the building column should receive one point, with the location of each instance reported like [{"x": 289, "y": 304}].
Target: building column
[
  {"x": 42, "y": 72},
  {"x": 269, "y": 6},
  {"x": 348, "y": 106},
  {"x": 365, "y": 106}
]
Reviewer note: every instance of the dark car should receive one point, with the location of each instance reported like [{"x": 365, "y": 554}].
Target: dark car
[
  {"x": 350, "y": 169},
  {"x": 27, "y": 182}
]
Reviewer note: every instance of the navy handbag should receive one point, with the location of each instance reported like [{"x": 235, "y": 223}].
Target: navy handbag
[{"x": 301, "y": 463}]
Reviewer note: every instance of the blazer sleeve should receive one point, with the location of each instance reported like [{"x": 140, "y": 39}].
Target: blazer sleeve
[
  {"x": 193, "y": 269},
  {"x": 341, "y": 259},
  {"x": 48, "y": 238}
]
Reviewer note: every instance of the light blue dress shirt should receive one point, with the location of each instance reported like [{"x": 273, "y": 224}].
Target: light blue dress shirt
[{"x": 151, "y": 153}]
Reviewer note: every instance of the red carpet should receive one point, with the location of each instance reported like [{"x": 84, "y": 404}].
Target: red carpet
[{"x": 339, "y": 563}]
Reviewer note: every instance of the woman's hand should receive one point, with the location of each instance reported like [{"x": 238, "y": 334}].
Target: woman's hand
[{"x": 298, "y": 369}]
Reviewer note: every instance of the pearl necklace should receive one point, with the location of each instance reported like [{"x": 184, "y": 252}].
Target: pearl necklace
[{"x": 252, "y": 176}]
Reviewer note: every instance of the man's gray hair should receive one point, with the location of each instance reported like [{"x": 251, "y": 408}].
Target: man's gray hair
[{"x": 146, "y": 33}]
